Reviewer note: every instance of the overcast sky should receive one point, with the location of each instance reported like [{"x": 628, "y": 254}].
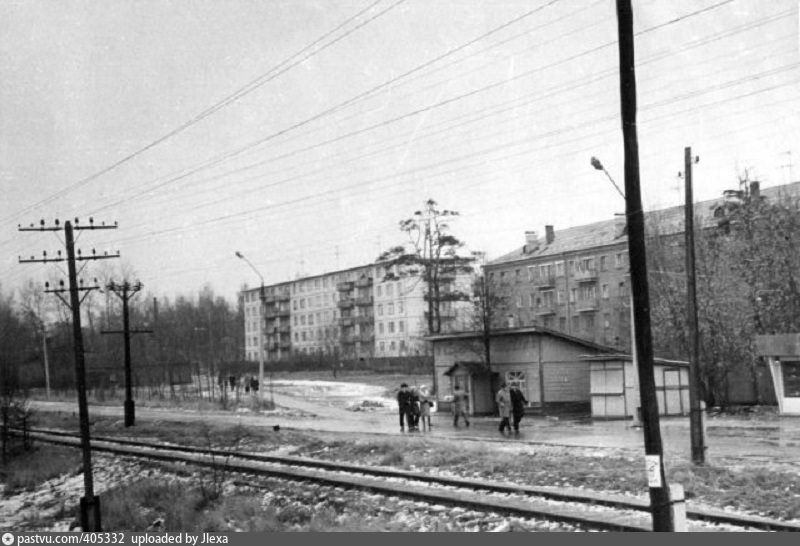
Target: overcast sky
[{"x": 300, "y": 132}]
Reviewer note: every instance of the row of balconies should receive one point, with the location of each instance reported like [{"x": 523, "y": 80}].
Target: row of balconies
[{"x": 361, "y": 301}]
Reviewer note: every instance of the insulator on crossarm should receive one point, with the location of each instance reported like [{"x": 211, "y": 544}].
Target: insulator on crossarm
[
  {"x": 41, "y": 222},
  {"x": 46, "y": 285},
  {"x": 94, "y": 252},
  {"x": 44, "y": 253},
  {"x": 57, "y": 222},
  {"x": 91, "y": 220},
  {"x": 76, "y": 221},
  {"x": 79, "y": 252},
  {"x": 59, "y": 253},
  {"x": 61, "y": 283}
]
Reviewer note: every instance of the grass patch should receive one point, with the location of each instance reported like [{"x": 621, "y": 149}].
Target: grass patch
[{"x": 30, "y": 469}]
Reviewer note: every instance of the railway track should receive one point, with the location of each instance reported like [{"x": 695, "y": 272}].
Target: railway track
[{"x": 582, "y": 508}]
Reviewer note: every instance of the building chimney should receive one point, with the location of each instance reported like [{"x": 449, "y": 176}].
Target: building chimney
[
  {"x": 550, "y": 235},
  {"x": 755, "y": 190},
  {"x": 531, "y": 241},
  {"x": 620, "y": 226}
]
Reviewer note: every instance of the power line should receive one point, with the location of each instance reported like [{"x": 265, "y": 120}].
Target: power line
[{"x": 268, "y": 76}]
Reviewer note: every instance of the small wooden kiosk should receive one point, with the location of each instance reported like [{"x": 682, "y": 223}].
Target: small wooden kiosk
[{"x": 782, "y": 352}]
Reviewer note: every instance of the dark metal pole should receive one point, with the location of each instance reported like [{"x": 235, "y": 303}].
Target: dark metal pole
[
  {"x": 695, "y": 409},
  {"x": 90, "y": 505},
  {"x": 126, "y": 329},
  {"x": 659, "y": 492}
]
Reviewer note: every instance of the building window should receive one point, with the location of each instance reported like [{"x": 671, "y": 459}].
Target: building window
[
  {"x": 311, "y": 320},
  {"x": 623, "y": 290},
  {"x": 562, "y": 324},
  {"x": 604, "y": 263},
  {"x": 621, "y": 259},
  {"x": 517, "y": 379},
  {"x": 391, "y": 327},
  {"x": 380, "y": 327},
  {"x": 400, "y": 308},
  {"x": 604, "y": 291},
  {"x": 588, "y": 322},
  {"x": 382, "y": 346},
  {"x": 390, "y": 309},
  {"x": 573, "y": 295},
  {"x": 560, "y": 269},
  {"x": 380, "y": 310},
  {"x": 532, "y": 299},
  {"x": 516, "y": 274},
  {"x": 391, "y": 346},
  {"x": 547, "y": 298},
  {"x": 560, "y": 297},
  {"x": 379, "y": 291},
  {"x": 389, "y": 289},
  {"x": 531, "y": 273},
  {"x": 303, "y": 320},
  {"x": 519, "y": 301},
  {"x": 402, "y": 326},
  {"x": 303, "y": 336}
]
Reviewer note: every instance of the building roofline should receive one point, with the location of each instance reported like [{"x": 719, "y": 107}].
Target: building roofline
[{"x": 501, "y": 332}]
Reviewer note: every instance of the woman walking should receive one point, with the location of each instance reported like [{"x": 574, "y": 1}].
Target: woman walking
[{"x": 503, "y": 400}]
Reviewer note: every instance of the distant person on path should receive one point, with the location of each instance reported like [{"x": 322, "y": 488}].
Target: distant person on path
[
  {"x": 414, "y": 409},
  {"x": 518, "y": 402},
  {"x": 404, "y": 407},
  {"x": 425, "y": 404},
  {"x": 503, "y": 400},
  {"x": 460, "y": 402}
]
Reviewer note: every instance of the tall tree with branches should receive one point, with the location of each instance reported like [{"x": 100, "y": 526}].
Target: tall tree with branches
[{"x": 432, "y": 255}]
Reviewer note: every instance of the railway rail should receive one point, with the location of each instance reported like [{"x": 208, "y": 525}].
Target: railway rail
[{"x": 590, "y": 510}]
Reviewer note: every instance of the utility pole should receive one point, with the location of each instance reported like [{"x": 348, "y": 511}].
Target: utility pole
[
  {"x": 660, "y": 505},
  {"x": 695, "y": 408},
  {"x": 126, "y": 291},
  {"x": 90, "y": 504}
]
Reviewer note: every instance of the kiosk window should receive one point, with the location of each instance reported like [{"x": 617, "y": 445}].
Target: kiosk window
[{"x": 791, "y": 379}]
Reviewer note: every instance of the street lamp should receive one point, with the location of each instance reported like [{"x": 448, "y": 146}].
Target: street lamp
[
  {"x": 599, "y": 166},
  {"x": 262, "y": 298}
]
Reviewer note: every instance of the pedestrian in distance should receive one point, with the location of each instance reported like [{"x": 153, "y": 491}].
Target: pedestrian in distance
[
  {"x": 425, "y": 404},
  {"x": 503, "y": 399},
  {"x": 518, "y": 403},
  {"x": 460, "y": 404},
  {"x": 414, "y": 410},
  {"x": 404, "y": 407}
]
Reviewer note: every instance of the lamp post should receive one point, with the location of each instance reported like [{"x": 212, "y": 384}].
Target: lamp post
[
  {"x": 636, "y": 423},
  {"x": 261, "y": 319}
]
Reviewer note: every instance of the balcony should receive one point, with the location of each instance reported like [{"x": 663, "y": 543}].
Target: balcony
[
  {"x": 365, "y": 319},
  {"x": 587, "y": 305},
  {"x": 346, "y": 321},
  {"x": 345, "y": 286},
  {"x": 348, "y": 339},
  {"x": 285, "y": 344},
  {"x": 283, "y": 312},
  {"x": 587, "y": 275},
  {"x": 364, "y": 282},
  {"x": 545, "y": 310},
  {"x": 544, "y": 282},
  {"x": 366, "y": 337},
  {"x": 271, "y": 314},
  {"x": 283, "y": 329},
  {"x": 345, "y": 303},
  {"x": 269, "y": 299},
  {"x": 364, "y": 301},
  {"x": 284, "y": 296}
]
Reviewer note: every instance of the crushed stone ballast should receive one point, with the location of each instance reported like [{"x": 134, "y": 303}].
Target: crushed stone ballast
[{"x": 593, "y": 510}]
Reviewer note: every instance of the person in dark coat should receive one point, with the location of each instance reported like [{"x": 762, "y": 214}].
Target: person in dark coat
[
  {"x": 404, "y": 406},
  {"x": 414, "y": 410},
  {"x": 460, "y": 405},
  {"x": 518, "y": 402}
]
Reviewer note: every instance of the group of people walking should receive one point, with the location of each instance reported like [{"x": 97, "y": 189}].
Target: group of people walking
[
  {"x": 415, "y": 407},
  {"x": 511, "y": 404}
]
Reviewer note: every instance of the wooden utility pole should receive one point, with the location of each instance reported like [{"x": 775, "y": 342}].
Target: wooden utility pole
[
  {"x": 89, "y": 503},
  {"x": 126, "y": 291},
  {"x": 659, "y": 493},
  {"x": 695, "y": 407}
]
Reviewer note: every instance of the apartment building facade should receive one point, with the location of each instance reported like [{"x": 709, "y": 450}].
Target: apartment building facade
[
  {"x": 361, "y": 312},
  {"x": 577, "y": 280}
]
